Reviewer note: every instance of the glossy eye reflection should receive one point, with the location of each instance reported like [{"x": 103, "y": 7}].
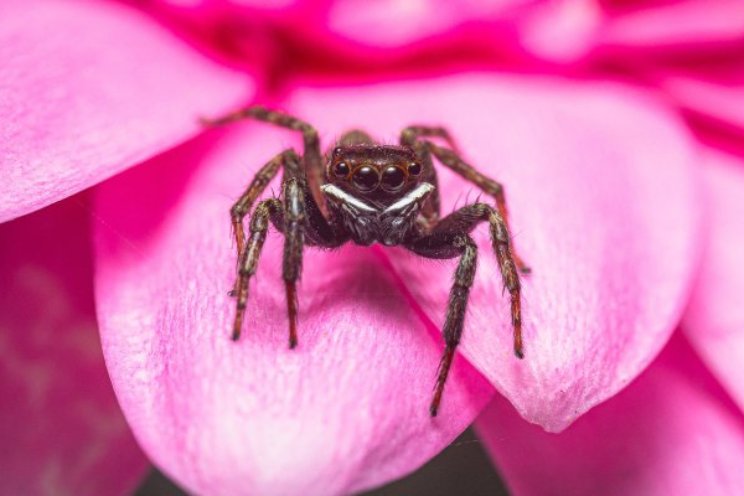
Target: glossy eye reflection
[
  {"x": 414, "y": 169},
  {"x": 365, "y": 178},
  {"x": 393, "y": 179},
  {"x": 341, "y": 169}
]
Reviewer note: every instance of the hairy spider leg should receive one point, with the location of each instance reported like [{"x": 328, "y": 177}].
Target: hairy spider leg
[
  {"x": 294, "y": 223},
  {"x": 443, "y": 243},
  {"x": 249, "y": 257},
  {"x": 355, "y": 137},
  {"x": 291, "y": 216},
  {"x": 302, "y": 223},
  {"x": 449, "y": 239},
  {"x": 311, "y": 156},
  {"x": 450, "y": 158},
  {"x": 242, "y": 207},
  {"x": 410, "y": 135},
  {"x": 431, "y": 210},
  {"x": 295, "y": 215}
]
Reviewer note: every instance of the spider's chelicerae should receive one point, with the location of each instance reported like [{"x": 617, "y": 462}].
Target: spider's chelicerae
[{"x": 369, "y": 193}]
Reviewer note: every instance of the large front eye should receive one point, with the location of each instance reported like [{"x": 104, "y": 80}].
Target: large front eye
[
  {"x": 393, "y": 179},
  {"x": 365, "y": 178},
  {"x": 341, "y": 169}
]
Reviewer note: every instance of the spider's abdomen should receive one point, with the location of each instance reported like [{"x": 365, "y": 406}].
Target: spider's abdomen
[{"x": 368, "y": 224}]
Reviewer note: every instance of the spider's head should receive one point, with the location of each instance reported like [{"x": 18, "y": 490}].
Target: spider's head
[{"x": 372, "y": 170}]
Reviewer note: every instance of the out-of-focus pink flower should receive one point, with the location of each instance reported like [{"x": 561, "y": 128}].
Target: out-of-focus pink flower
[{"x": 614, "y": 204}]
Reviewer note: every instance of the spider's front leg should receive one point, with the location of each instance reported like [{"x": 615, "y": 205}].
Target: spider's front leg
[
  {"x": 242, "y": 207},
  {"x": 290, "y": 213},
  {"x": 294, "y": 222},
  {"x": 248, "y": 262},
  {"x": 444, "y": 245},
  {"x": 311, "y": 155},
  {"x": 450, "y": 239},
  {"x": 449, "y": 157}
]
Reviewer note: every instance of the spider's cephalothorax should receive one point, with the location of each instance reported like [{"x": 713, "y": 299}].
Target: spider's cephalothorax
[
  {"x": 370, "y": 193},
  {"x": 375, "y": 192}
]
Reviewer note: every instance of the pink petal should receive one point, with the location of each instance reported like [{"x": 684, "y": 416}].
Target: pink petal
[
  {"x": 585, "y": 168},
  {"x": 683, "y": 23},
  {"x": 714, "y": 320},
  {"x": 719, "y": 100},
  {"x": 556, "y": 30},
  {"x": 671, "y": 432},
  {"x": 91, "y": 89},
  {"x": 346, "y": 410},
  {"x": 562, "y": 31},
  {"x": 61, "y": 430},
  {"x": 396, "y": 23}
]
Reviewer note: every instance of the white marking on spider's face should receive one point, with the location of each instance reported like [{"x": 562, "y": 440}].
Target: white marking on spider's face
[
  {"x": 368, "y": 223},
  {"x": 413, "y": 198},
  {"x": 339, "y": 196}
]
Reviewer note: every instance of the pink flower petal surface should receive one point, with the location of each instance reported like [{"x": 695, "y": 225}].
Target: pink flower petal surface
[
  {"x": 720, "y": 100},
  {"x": 89, "y": 89},
  {"x": 562, "y": 31},
  {"x": 714, "y": 320},
  {"x": 673, "y": 431},
  {"x": 346, "y": 410},
  {"x": 679, "y": 23},
  {"x": 61, "y": 430},
  {"x": 585, "y": 169},
  {"x": 609, "y": 262},
  {"x": 392, "y": 23}
]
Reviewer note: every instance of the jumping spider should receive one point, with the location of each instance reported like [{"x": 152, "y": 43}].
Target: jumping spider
[{"x": 366, "y": 193}]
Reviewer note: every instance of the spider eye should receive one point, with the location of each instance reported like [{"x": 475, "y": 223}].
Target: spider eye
[
  {"x": 365, "y": 178},
  {"x": 392, "y": 179},
  {"x": 341, "y": 169},
  {"x": 414, "y": 168}
]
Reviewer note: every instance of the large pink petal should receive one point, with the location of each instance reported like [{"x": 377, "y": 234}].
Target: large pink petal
[
  {"x": 673, "y": 431},
  {"x": 584, "y": 167},
  {"x": 396, "y": 23},
  {"x": 721, "y": 100},
  {"x": 88, "y": 89},
  {"x": 610, "y": 261},
  {"x": 346, "y": 410},
  {"x": 601, "y": 188},
  {"x": 682, "y": 24},
  {"x": 61, "y": 430},
  {"x": 556, "y": 30},
  {"x": 714, "y": 320}
]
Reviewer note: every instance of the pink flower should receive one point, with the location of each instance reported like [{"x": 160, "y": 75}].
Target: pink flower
[{"x": 606, "y": 122}]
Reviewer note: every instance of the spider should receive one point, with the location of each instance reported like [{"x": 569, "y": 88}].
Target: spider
[{"x": 369, "y": 193}]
